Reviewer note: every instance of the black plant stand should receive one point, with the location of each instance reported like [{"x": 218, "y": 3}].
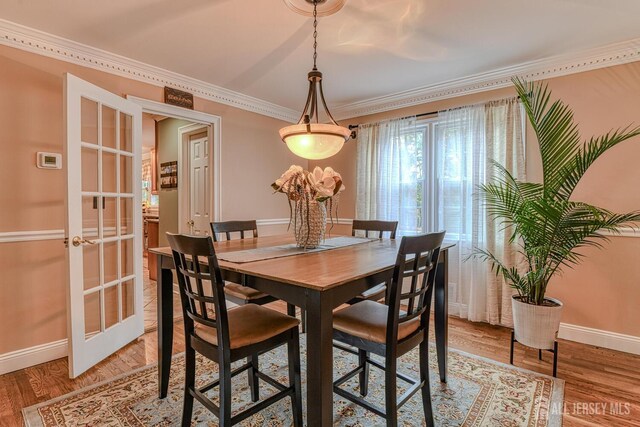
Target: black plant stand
[{"x": 554, "y": 351}]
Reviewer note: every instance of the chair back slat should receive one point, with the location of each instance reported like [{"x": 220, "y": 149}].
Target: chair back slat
[
  {"x": 375, "y": 226},
  {"x": 200, "y": 283},
  {"x": 228, "y": 227},
  {"x": 416, "y": 263}
]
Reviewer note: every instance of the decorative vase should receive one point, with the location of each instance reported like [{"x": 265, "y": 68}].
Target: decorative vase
[
  {"x": 310, "y": 223},
  {"x": 536, "y": 325}
]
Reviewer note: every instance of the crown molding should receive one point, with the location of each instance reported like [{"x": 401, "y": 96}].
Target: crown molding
[
  {"x": 39, "y": 42},
  {"x": 556, "y": 66}
]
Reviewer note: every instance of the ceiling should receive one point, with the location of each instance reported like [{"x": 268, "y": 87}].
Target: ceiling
[{"x": 369, "y": 49}]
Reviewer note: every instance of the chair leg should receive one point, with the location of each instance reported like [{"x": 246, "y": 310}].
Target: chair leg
[
  {"x": 539, "y": 354},
  {"x": 426, "y": 389},
  {"x": 291, "y": 310},
  {"x": 364, "y": 375},
  {"x": 254, "y": 385},
  {"x": 225, "y": 394},
  {"x": 555, "y": 358},
  {"x": 513, "y": 338},
  {"x": 390, "y": 392},
  {"x": 189, "y": 384},
  {"x": 293, "y": 348},
  {"x": 303, "y": 315}
]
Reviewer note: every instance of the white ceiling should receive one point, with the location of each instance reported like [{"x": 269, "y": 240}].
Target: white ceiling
[{"x": 369, "y": 49}]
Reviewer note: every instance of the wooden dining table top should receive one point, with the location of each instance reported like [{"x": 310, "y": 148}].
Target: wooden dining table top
[{"x": 315, "y": 270}]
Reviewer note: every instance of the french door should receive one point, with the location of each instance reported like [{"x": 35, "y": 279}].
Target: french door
[{"x": 104, "y": 222}]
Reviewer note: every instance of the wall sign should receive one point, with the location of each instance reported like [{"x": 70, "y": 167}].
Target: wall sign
[
  {"x": 177, "y": 97},
  {"x": 169, "y": 175}
]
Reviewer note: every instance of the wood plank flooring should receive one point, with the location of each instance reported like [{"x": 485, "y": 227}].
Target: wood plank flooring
[{"x": 593, "y": 376}]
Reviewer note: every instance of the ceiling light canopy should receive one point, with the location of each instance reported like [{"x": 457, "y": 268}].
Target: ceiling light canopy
[{"x": 310, "y": 138}]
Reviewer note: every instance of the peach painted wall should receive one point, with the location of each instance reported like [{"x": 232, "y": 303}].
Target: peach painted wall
[
  {"x": 604, "y": 291},
  {"x": 32, "y": 274},
  {"x": 168, "y": 147}
]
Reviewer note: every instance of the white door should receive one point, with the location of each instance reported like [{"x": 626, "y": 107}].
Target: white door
[
  {"x": 104, "y": 222},
  {"x": 199, "y": 184}
]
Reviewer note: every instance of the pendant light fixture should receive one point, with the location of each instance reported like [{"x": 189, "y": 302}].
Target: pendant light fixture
[{"x": 309, "y": 138}]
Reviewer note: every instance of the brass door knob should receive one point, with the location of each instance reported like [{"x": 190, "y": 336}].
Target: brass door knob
[{"x": 77, "y": 241}]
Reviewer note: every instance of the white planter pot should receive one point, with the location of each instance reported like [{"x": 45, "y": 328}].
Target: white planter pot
[{"x": 536, "y": 325}]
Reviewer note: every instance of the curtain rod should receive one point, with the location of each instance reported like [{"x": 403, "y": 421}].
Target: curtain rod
[{"x": 430, "y": 113}]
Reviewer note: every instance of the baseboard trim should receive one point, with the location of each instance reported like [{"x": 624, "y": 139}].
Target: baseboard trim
[
  {"x": 35, "y": 355},
  {"x": 600, "y": 338}
]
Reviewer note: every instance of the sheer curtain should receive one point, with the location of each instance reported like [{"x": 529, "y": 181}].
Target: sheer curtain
[
  {"x": 387, "y": 173},
  {"x": 505, "y": 145},
  {"x": 459, "y": 167},
  {"x": 465, "y": 140}
]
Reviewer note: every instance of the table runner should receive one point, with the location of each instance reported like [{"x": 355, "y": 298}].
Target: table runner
[{"x": 270, "y": 252}]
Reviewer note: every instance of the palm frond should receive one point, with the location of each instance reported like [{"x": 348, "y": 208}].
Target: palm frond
[
  {"x": 557, "y": 134},
  {"x": 573, "y": 171}
]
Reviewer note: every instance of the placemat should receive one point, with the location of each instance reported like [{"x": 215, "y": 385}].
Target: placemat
[{"x": 259, "y": 254}]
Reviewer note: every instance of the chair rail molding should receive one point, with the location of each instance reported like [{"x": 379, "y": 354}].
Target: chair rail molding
[
  {"x": 285, "y": 221},
  {"x": 58, "y": 234},
  {"x": 42, "y": 43},
  {"x": 30, "y": 236}
]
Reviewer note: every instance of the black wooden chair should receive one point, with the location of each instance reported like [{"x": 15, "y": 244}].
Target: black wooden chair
[
  {"x": 375, "y": 226},
  {"x": 227, "y": 336},
  {"x": 228, "y": 227},
  {"x": 238, "y": 293},
  {"x": 380, "y": 227},
  {"x": 394, "y": 329}
]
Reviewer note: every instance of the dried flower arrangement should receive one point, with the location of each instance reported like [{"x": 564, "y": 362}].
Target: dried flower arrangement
[{"x": 305, "y": 189}]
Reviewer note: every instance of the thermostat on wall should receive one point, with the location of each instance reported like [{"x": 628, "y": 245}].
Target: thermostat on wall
[{"x": 49, "y": 160}]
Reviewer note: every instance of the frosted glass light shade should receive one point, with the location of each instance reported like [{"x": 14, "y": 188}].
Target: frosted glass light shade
[{"x": 323, "y": 141}]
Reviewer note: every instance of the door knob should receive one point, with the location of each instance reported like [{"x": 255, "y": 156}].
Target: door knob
[
  {"x": 190, "y": 223},
  {"x": 77, "y": 241}
]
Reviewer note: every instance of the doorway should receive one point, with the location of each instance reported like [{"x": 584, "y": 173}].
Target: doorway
[{"x": 181, "y": 148}]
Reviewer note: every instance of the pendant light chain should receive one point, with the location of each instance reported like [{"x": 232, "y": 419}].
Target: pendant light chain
[{"x": 315, "y": 33}]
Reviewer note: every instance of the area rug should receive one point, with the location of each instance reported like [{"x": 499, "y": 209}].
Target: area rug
[{"x": 479, "y": 392}]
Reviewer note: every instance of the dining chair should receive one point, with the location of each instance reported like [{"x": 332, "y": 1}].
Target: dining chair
[
  {"x": 228, "y": 227},
  {"x": 239, "y": 293},
  {"x": 225, "y": 336},
  {"x": 393, "y": 330},
  {"x": 380, "y": 227},
  {"x": 375, "y": 226}
]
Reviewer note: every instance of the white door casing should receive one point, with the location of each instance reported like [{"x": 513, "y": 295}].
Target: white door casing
[
  {"x": 199, "y": 191},
  {"x": 104, "y": 222},
  {"x": 214, "y": 124}
]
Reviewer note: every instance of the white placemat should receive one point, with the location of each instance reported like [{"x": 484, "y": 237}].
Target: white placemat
[{"x": 259, "y": 254}]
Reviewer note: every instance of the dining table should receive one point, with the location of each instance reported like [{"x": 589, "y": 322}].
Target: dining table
[{"x": 317, "y": 282}]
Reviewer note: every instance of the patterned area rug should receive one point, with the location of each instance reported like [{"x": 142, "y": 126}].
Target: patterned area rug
[{"x": 479, "y": 392}]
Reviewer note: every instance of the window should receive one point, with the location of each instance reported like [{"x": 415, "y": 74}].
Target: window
[{"x": 440, "y": 191}]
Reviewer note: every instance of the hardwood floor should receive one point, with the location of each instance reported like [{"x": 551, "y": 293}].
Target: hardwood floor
[{"x": 594, "y": 376}]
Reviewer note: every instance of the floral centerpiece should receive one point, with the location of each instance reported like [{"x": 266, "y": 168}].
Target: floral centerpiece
[{"x": 310, "y": 195}]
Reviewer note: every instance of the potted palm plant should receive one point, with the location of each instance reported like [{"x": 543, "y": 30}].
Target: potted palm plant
[{"x": 546, "y": 226}]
